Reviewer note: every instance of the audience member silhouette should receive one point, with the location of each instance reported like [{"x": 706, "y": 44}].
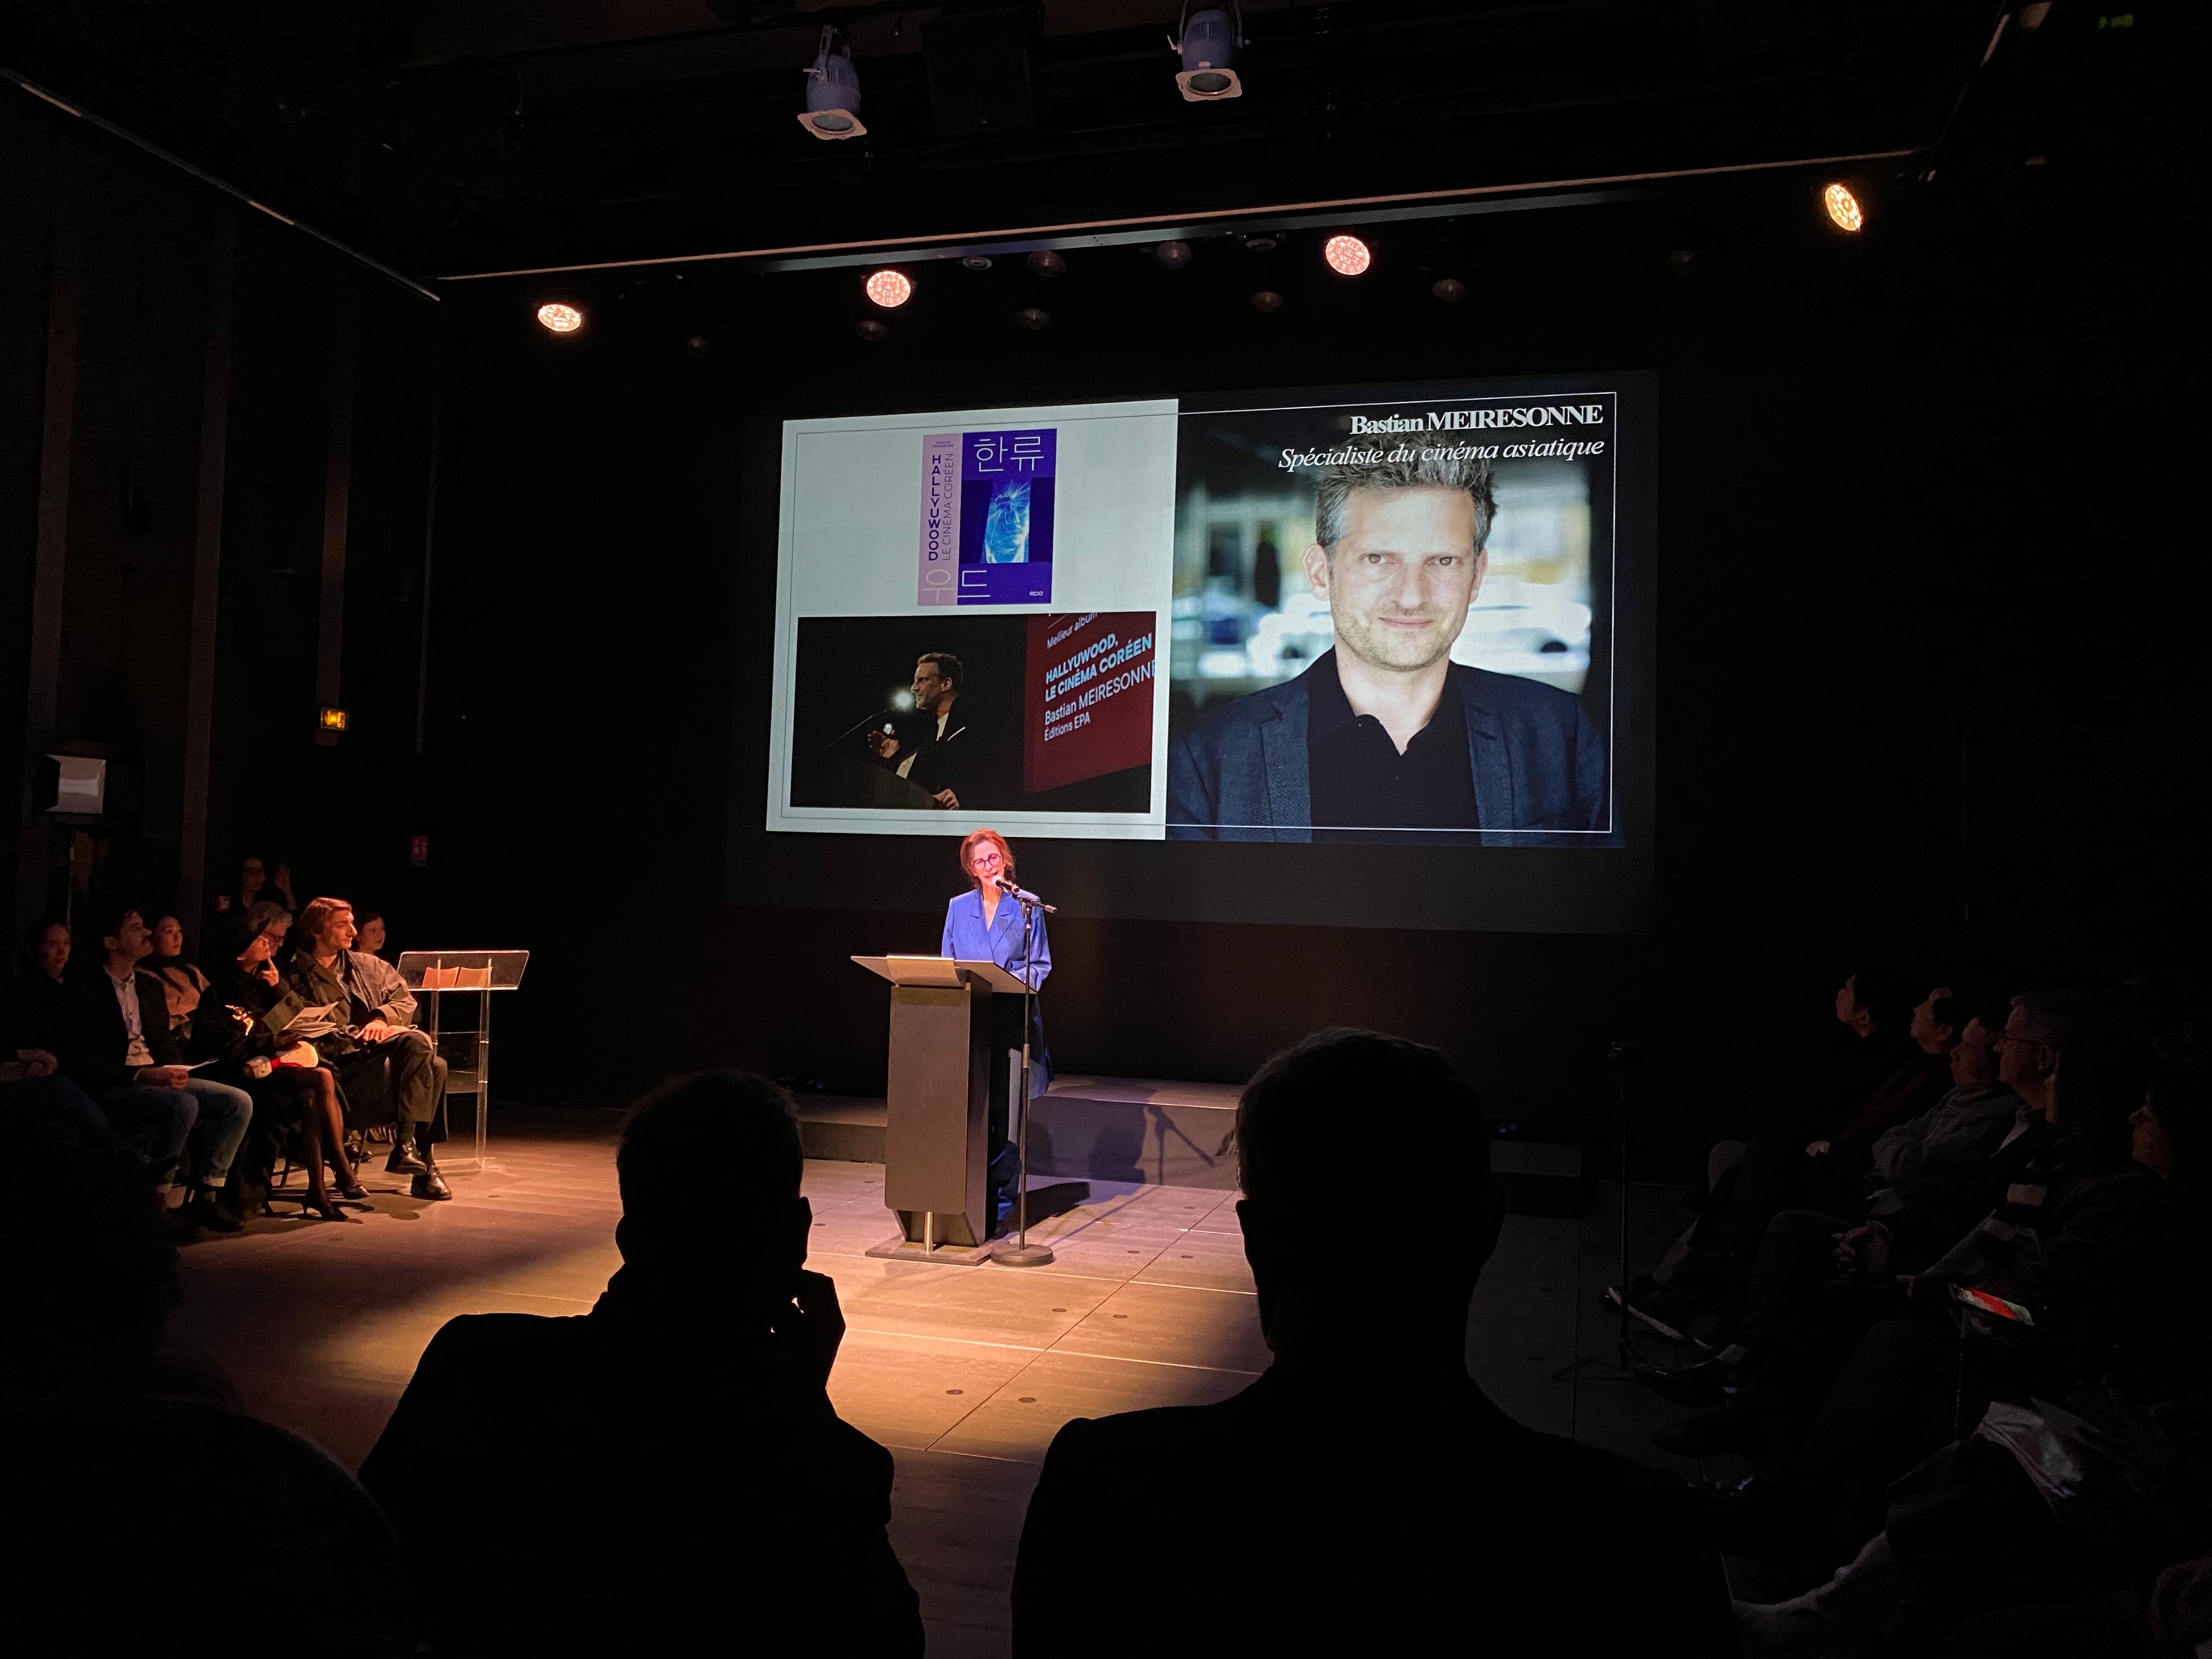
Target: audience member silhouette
[
  {"x": 668, "y": 1464},
  {"x": 297, "y": 1109},
  {"x": 183, "y": 984},
  {"x": 2070, "y": 1510},
  {"x": 38, "y": 1001},
  {"x": 33, "y": 1018},
  {"x": 120, "y": 1050},
  {"x": 359, "y": 1016},
  {"x": 1363, "y": 1495},
  {"x": 140, "y": 1511}
]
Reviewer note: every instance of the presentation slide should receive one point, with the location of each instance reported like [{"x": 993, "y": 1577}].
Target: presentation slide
[{"x": 1372, "y": 618}]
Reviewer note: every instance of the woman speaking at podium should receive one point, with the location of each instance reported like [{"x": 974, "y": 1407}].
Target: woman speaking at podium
[{"x": 984, "y": 924}]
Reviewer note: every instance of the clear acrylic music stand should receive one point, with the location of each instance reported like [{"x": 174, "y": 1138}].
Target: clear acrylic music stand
[{"x": 435, "y": 974}]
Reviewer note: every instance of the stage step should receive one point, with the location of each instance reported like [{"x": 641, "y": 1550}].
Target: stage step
[
  {"x": 841, "y": 1129},
  {"x": 1174, "y": 1134}
]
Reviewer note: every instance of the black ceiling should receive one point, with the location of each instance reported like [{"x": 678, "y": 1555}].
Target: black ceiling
[{"x": 467, "y": 135}]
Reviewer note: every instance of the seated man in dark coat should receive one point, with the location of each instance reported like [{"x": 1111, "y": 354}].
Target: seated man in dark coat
[
  {"x": 359, "y": 1016},
  {"x": 1365, "y": 1496},
  {"x": 668, "y": 1463},
  {"x": 947, "y": 748}
]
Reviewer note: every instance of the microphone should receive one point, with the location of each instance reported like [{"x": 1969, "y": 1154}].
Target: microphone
[
  {"x": 1023, "y": 895},
  {"x": 882, "y": 719}
]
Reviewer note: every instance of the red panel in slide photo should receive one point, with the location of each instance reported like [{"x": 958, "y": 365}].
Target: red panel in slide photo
[{"x": 1088, "y": 707}]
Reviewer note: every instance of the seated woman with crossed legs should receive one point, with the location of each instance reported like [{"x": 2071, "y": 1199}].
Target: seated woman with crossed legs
[{"x": 286, "y": 1077}]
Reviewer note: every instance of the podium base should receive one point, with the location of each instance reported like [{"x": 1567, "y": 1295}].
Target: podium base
[
  {"x": 1022, "y": 1255},
  {"x": 902, "y": 1248}
]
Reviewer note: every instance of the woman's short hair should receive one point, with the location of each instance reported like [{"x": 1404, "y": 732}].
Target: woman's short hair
[
  {"x": 975, "y": 839},
  {"x": 261, "y": 916}
]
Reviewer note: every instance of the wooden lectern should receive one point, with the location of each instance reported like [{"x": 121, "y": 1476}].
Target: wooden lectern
[{"x": 937, "y": 1131}]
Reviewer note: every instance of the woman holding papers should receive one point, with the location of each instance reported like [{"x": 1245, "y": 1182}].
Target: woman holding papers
[{"x": 295, "y": 1094}]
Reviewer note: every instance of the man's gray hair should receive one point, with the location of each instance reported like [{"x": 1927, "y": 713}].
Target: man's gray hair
[{"x": 1443, "y": 465}]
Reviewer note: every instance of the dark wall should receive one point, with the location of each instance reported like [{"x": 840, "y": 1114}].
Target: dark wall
[
  {"x": 134, "y": 244},
  {"x": 1931, "y": 679},
  {"x": 1928, "y": 673}
]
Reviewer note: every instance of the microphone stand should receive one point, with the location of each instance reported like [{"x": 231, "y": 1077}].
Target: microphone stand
[
  {"x": 1021, "y": 1253},
  {"x": 1622, "y": 1366}
]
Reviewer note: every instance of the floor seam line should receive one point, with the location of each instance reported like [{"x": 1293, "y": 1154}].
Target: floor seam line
[
  {"x": 988, "y": 1399},
  {"x": 1175, "y": 1364},
  {"x": 962, "y": 1341}
]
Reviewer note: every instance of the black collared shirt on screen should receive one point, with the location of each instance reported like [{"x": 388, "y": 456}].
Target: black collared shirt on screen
[{"x": 1357, "y": 783}]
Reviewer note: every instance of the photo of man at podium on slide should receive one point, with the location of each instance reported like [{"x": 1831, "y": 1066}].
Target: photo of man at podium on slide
[
  {"x": 941, "y": 750},
  {"x": 984, "y": 924}
]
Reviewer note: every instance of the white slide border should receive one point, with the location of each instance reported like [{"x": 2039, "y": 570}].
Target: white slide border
[{"x": 1149, "y": 826}]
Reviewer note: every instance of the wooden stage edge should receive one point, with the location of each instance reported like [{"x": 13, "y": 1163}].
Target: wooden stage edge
[{"x": 1156, "y": 1132}]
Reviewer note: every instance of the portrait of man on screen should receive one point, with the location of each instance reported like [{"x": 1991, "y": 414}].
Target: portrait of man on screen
[{"x": 1384, "y": 737}]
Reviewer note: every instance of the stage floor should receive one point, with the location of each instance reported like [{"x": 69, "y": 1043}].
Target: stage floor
[{"x": 965, "y": 1373}]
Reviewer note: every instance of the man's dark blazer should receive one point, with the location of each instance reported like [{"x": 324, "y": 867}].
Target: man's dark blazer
[
  {"x": 1360, "y": 1512},
  {"x": 626, "y": 1481},
  {"x": 1539, "y": 763},
  {"x": 98, "y": 1038},
  {"x": 970, "y": 759}
]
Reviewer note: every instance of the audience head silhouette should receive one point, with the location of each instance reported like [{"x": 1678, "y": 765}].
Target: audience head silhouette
[
  {"x": 745, "y": 1231},
  {"x": 2101, "y": 1082},
  {"x": 1316, "y": 1296},
  {"x": 87, "y": 1263},
  {"x": 2170, "y": 1129},
  {"x": 2039, "y": 1024},
  {"x": 119, "y": 935},
  {"x": 99, "y": 1425},
  {"x": 46, "y": 947}
]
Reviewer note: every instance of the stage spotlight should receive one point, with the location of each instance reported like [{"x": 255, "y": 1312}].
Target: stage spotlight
[
  {"x": 1045, "y": 263},
  {"x": 1844, "y": 209},
  {"x": 1208, "y": 47},
  {"x": 1031, "y": 317},
  {"x": 1267, "y": 300},
  {"x": 977, "y": 262},
  {"x": 1260, "y": 244},
  {"x": 1449, "y": 289},
  {"x": 557, "y": 317},
  {"x": 833, "y": 91},
  {"x": 1174, "y": 255},
  {"x": 871, "y": 330},
  {"x": 1348, "y": 256},
  {"x": 890, "y": 289}
]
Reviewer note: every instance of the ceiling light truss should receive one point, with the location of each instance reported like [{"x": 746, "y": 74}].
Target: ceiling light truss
[
  {"x": 1155, "y": 234},
  {"x": 1472, "y": 202}
]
